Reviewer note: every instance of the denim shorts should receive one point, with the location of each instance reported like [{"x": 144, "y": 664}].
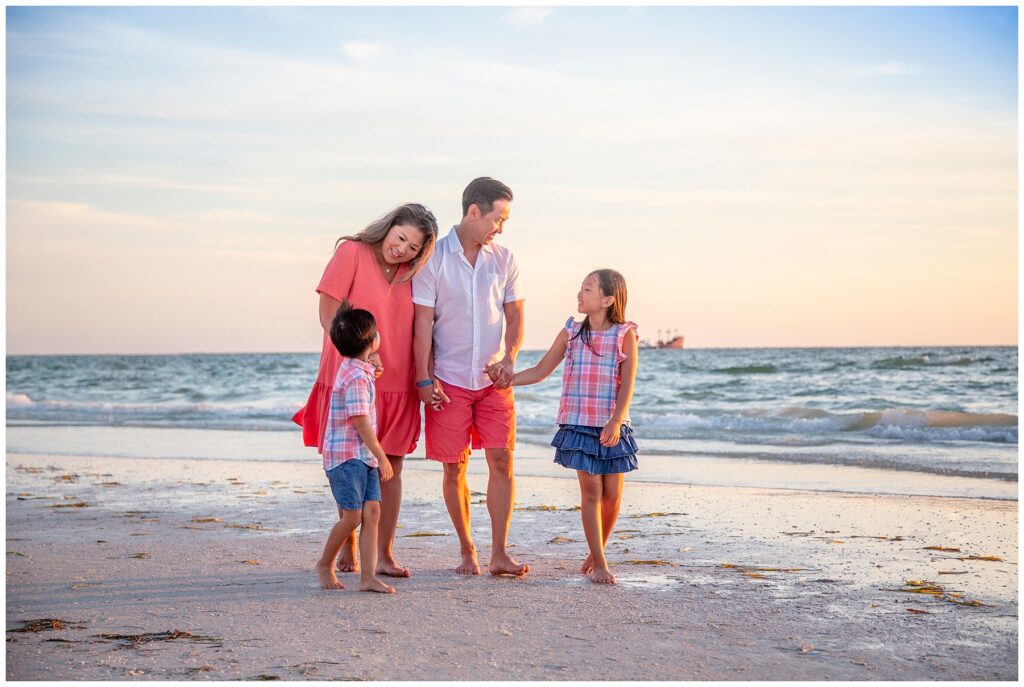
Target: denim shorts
[{"x": 353, "y": 483}]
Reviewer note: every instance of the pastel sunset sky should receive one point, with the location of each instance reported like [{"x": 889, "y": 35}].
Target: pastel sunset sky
[{"x": 177, "y": 177}]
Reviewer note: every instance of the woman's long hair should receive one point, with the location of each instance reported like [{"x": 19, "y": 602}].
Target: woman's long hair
[
  {"x": 411, "y": 214},
  {"x": 609, "y": 283}
]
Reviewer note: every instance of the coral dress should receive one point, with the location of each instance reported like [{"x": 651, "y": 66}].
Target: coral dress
[{"x": 354, "y": 274}]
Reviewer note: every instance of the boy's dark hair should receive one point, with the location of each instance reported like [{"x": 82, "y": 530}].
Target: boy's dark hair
[
  {"x": 352, "y": 330},
  {"x": 482, "y": 192}
]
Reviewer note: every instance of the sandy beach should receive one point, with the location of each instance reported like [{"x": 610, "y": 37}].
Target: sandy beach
[{"x": 202, "y": 569}]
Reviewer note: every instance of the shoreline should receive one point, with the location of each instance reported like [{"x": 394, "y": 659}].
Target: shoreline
[
  {"x": 714, "y": 582},
  {"x": 532, "y": 459}
]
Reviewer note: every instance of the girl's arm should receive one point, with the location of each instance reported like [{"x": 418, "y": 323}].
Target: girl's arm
[
  {"x": 547, "y": 364},
  {"x": 610, "y": 433}
]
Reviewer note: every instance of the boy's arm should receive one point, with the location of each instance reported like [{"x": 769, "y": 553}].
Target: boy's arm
[
  {"x": 546, "y": 365},
  {"x": 366, "y": 433}
]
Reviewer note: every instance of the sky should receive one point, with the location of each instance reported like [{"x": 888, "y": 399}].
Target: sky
[{"x": 177, "y": 177}]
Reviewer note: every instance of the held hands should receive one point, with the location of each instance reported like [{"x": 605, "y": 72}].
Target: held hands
[
  {"x": 378, "y": 365},
  {"x": 610, "y": 433},
  {"x": 501, "y": 373},
  {"x": 384, "y": 466},
  {"x": 433, "y": 396}
]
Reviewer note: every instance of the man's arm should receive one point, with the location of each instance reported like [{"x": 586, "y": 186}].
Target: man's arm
[
  {"x": 423, "y": 354},
  {"x": 504, "y": 369}
]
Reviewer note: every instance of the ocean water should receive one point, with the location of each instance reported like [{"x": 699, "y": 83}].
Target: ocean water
[{"x": 941, "y": 411}]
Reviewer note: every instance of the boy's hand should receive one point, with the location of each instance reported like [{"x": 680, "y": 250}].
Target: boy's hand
[
  {"x": 610, "y": 433},
  {"x": 386, "y": 471}
]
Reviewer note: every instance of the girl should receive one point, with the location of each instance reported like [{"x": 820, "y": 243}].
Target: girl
[{"x": 594, "y": 437}]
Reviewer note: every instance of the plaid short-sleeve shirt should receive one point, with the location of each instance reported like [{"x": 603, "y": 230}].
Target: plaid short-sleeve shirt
[
  {"x": 352, "y": 395},
  {"x": 592, "y": 376}
]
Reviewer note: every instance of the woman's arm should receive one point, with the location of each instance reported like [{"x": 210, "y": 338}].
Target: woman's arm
[
  {"x": 328, "y": 309},
  {"x": 610, "y": 433},
  {"x": 547, "y": 364}
]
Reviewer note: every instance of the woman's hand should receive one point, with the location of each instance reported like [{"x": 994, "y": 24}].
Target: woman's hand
[
  {"x": 610, "y": 433},
  {"x": 434, "y": 396},
  {"x": 378, "y": 364}
]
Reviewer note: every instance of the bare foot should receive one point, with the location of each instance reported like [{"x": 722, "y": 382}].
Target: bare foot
[
  {"x": 346, "y": 565},
  {"x": 588, "y": 565},
  {"x": 469, "y": 565},
  {"x": 602, "y": 576},
  {"x": 390, "y": 568},
  {"x": 328, "y": 580},
  {"x": 375, "y": 585},
  {"x": 505, "y": 565}
]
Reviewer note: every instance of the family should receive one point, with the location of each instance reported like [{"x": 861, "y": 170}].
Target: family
[{"x": 412, "y": 318}]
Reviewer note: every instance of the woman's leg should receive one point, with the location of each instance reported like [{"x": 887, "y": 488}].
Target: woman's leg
[{"x": 390, "y": 505}]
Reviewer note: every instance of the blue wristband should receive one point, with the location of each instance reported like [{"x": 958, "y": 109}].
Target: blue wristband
[{"x": 424, "y": 383}]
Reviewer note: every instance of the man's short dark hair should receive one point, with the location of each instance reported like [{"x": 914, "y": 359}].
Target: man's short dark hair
[
  {"x": 352, "y": 330},
  {"x": 482, "y": 192}
]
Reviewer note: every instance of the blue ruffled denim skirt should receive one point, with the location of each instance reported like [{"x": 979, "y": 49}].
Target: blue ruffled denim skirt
[{"x": 579, "y": 448}]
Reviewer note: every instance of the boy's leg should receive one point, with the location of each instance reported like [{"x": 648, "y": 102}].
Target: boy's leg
[
  {"x": 390, "y": 503},
  {"x": 611, "y": 499},
  {"x": 590, "y": 512},
  {"x": 456, "y": 499},
  {"x": 348, "y": 520},
  {"x": 368, "y": 550}
]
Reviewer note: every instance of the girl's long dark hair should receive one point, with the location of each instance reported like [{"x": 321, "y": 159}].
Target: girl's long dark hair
[{"x": 609, "y": 283}]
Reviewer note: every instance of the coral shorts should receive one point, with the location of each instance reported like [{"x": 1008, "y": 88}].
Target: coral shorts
[{"x": 482, "y": 419}]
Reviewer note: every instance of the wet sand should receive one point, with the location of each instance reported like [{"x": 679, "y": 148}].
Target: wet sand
[{"x": 203, "y": 569}]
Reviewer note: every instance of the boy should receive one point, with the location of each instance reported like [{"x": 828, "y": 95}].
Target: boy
[{"x": 354, "y": 461}]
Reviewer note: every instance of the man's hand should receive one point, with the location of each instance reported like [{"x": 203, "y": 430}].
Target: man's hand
[
  {"x": 378, "y": 365},
  {"x": 501, "y": 373},
  {"x": 386, "y": 471}
]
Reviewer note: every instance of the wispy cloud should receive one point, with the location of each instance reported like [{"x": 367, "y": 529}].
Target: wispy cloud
[
  {"x": 889, "y": 68},
  {"x": 529, "y": 17},
  {"x": 364, "y": 51}
]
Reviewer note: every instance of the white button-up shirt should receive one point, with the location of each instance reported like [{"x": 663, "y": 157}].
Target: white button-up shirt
[{"x": 468, "y": 300}]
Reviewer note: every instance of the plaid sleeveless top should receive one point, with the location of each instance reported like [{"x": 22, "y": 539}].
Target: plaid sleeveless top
[{"x": 591, "y": 381}]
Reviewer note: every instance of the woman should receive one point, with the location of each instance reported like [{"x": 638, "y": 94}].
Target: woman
[{"x": 373, "y": 270}]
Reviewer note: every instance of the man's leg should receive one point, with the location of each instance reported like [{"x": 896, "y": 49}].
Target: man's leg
[
  {"x": 456, "y": 498},
  {"x": 501, "y": 496}
]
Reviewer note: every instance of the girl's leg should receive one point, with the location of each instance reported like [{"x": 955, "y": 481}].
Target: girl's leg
[
  {"x": 346, "y": 525},
  {"x": 390, "y": 504},
  {"x": 590, "y": 511},
  {"x": 611, "y": 499},
  {"x": 368, "y": 550}
]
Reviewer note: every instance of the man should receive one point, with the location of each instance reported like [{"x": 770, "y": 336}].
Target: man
[{"x": 463, "y": 297}]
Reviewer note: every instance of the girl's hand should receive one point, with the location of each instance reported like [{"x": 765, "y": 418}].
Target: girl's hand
[
  {"x": 610, "y": 433},
  {"x": 378, "y": 365}
]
